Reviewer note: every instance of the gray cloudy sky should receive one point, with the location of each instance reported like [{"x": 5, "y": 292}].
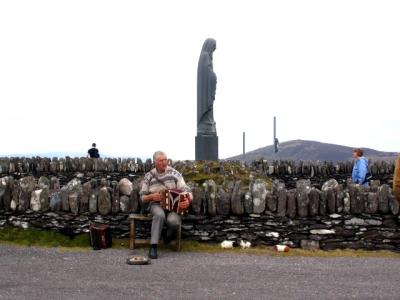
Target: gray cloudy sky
[{"x": 123, "y": 74}]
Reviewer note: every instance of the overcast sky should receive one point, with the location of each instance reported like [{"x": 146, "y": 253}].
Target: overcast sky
[{"x": 123, "y": 74}]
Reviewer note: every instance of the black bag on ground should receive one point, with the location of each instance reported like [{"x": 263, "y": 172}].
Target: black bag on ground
[{"x": 100, "y": 236}]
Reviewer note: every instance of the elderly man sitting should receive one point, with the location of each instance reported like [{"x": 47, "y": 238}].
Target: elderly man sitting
[{"x": 158, "y": 179}]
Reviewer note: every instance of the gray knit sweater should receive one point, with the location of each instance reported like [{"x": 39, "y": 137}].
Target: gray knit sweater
[{"x": 155, "y": 182}]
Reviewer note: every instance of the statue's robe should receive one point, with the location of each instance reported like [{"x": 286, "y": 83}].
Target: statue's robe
[{"x": 206, "y": 86}]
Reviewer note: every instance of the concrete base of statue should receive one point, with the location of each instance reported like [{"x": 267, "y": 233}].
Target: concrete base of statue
[{"x": 206, "y": 147}]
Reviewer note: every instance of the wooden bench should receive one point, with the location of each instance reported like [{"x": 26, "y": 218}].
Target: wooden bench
[{"x": 133, "y": 241}]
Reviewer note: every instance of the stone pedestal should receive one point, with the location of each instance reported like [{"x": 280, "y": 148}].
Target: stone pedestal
[{"x": 206, "y": 147}]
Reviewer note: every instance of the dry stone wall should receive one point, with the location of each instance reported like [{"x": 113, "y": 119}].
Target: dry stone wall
[{"x": 68, "y": 194}]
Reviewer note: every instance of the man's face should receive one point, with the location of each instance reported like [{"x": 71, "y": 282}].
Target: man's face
[
  {"x": 355, "y": 156},
  {"x": 161, "y": 163}
]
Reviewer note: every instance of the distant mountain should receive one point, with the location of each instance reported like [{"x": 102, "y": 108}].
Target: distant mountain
[{"x": 312, "y": 151}]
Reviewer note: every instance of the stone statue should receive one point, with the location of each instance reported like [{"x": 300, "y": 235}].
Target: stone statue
[
  {"x": 206, "y": 86},
  {"x": 206, "y": 139}
]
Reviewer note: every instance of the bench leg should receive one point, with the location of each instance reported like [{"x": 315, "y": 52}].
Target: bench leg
[
  {"x": 132, "y": 235},
  {"x": 178, "y": 238}
]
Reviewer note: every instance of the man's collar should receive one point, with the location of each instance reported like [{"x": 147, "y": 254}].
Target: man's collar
[{"x": 156, "y": 171}]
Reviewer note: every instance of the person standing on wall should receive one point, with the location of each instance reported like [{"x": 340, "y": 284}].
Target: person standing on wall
[
  {"x": 93, "y": 152},
  {"x": 396, "y": 179},
  {"x": 360, "y": 168}
]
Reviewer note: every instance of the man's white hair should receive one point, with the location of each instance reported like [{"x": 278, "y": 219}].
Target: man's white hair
[{"x": 158, "y": 153}]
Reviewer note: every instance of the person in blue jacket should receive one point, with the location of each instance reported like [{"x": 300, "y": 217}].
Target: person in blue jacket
[{"x": 360, "y": 168}]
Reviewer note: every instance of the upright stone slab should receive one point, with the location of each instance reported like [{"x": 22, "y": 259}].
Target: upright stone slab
[
  {"x": 393, "y": 204},
  {"x": 104, "y": 201},
  {"x": 271, "y": 201},
  {"x": 115, "y": 197},
  {"x": 372, "y": 203},
  {"x": 303, "y": 187},
  {"x": 374, "y": 185},
  {"x": 148, "y": 165},
  {"x": 3, "y": 185},
  {"x": 140, "y": 167},
  {"x": 383, "y": 198},
  {"x": 64, "y": 198},
  {"x": 35, "y": 200},
  {"x": 198, "y": 203},
  {"x": 346, "y": 203},
  {"x": 236, "y": 199},
  {"x": 124, "y": 203},
  {"x": 329, "y": 188},
  {"x": 93, "y": 203},
  {"x": 281, "y": 209},
  {"x": 14, "y": 205},
  {"x": 314, "y": 196},
  {"x": 6, "y": 190},
  {"x": 211, "y": 194},
  {"x": 223, "y": 201},
  {"x": 125, "y": 187},
  {"x": 27, "y": 185},
  {"x": 258, "y": 193},
  {"x": 323, "y": 203},
  {"x": 356, "y": 205},
  {"x": 340, "y": 194},
  {"x": 73, "y": 200},
  {"x": 44, "y": 199},
  {"x": 43, "y": 182},
  {"x": 54, "y": 184},
  {"x": 55, "y": 201},
  {"x": 291, "y": 204},
  {"x": 248, "y": 202},
  {"x": 86, "y": 192},
  {"x": 331, "y": 200},
  {"x": 135, "y": 197}
]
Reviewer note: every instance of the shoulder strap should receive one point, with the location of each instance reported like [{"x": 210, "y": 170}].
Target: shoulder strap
[{"x": 156, "y": 178}]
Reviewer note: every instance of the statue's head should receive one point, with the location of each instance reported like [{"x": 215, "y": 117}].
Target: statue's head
[{"x": 209, "y": 46}]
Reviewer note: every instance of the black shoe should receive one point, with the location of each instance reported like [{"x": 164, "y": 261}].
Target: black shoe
[{"x": 153, "y": 252}]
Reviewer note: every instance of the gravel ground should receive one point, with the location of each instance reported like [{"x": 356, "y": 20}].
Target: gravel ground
[{"x": 41, "y": 273}]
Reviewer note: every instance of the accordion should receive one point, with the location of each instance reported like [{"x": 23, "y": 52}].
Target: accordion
[
  {"x": 170, "y": 200},
  {"x": 100, "y": 236}
]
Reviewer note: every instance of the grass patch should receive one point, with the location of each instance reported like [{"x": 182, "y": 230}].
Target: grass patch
[
  {"x": 49, "y": 238},
  {"x": 220, "y": 172},
  {"x": 194, "y": 246},
  {"x": 43, "y": 238}
]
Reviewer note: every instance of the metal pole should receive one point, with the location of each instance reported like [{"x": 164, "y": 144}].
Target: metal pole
[
  {"x": 244, "y": 147},
  {"x": 274, "y": 129},
  {"x": 273, "y": 141}
]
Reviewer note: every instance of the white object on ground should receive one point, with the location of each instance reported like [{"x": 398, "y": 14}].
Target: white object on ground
[
  {"x": 245, "y": 244},
  {"x": 227, "y": 245},
  {"x": 281, "y": 248}
]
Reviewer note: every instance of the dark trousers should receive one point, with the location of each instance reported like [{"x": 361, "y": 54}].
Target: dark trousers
[{"x": 173, "y": 221}]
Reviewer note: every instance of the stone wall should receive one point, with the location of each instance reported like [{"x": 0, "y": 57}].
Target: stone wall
[
  {"x": 288, "y": 171},
  {"x": 319, "y": 172},
  {"x": 335, "y": 214},
  {"x": 39, "y": 165}
]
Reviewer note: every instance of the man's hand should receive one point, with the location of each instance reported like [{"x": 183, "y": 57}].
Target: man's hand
[
  {"x": 155, "y": 197},
  {"x": 183, "y": 205}
]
